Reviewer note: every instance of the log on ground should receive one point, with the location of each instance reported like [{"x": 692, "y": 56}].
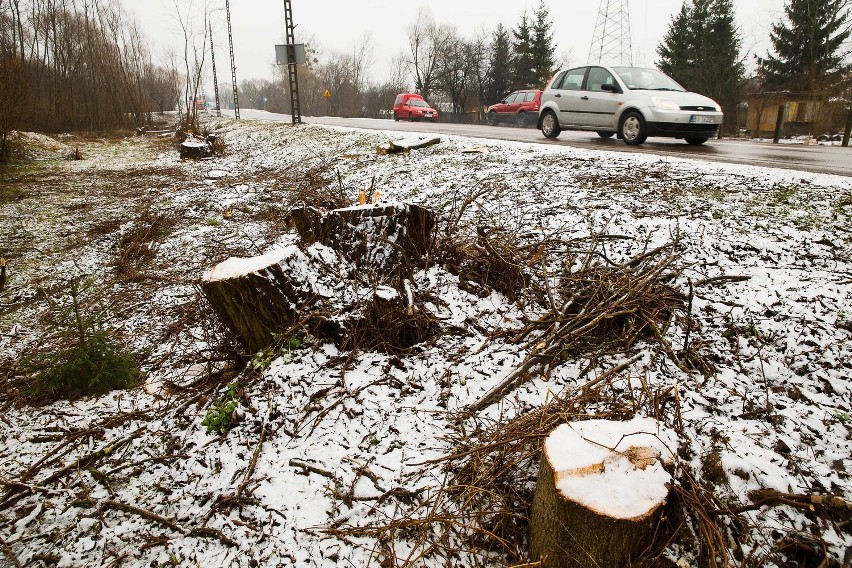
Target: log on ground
[{"x": 600, "y": 493}]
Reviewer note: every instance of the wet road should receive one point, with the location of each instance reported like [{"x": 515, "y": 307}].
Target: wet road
[{"x": 818, "y": 159}]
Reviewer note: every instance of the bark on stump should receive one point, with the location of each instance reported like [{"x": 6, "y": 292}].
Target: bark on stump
[
  {"x": 383, "y": 237},
  {"x": 194, "y": 149},
  {"x": 260, "y": 296},
  {"x": 595, "y": 507}
]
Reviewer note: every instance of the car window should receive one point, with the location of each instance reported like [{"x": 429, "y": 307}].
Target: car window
[
  {"x": 398, "y": 100},
  {"x": 573, "y": 79},
  {"x": 529, "y": 97},
  {"x": 511, "y": 98},
  {"x": 599, "y": 76},
  {"x": 417, "y": 103},
  {"x": 638, "y": 78}
]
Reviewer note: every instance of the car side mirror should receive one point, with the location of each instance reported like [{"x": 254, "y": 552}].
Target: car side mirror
[
  {"x": 503, "y": 102},
  {"x": 610, "y": 88}
]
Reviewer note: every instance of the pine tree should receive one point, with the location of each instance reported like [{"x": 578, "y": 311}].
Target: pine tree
[
  {"x": 523, "y": 70},
  {"x": 542, "y": 45},
  {"x": 501, "y": 64},
  {"x": 676, "y": 49},
  {"x": 807, "y": 47},
  {"x": 702, "y": 51}
]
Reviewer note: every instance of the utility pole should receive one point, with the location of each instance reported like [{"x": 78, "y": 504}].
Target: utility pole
[
  {"x": 292, "y": 77},
  {"x": 213, "y": 61},
  {"x": 233, "y": 65},
  {"x": 611, "y": 40}
]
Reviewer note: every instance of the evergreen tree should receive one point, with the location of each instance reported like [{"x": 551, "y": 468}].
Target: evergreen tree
[
  {"x": 501, "y": 64},
  {"x": 542, "y": 45},
  {"x": 676, "y": 49},
  {"x": 807, "y": 47},
  {"x": 523, "y": 70},
  {"x": 701, "y": 51}
]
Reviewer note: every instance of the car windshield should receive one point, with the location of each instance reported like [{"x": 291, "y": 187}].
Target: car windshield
[
  {"x": 417, "y": 103},
  {"x": 640, "y": 79}
]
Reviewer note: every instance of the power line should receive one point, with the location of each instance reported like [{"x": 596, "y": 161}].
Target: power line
[{"x": 611, "y": 40}]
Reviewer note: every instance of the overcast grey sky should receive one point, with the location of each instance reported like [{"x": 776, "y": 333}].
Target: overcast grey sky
[{"x": 338, "y": 24}]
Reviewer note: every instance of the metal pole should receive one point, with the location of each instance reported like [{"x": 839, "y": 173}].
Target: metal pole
[
  {"x": 233, "y": 65},
  {"x": 848, "y": 130},
  {"x": 292, "y": 77},
  {"x": 213, "y": 61}
]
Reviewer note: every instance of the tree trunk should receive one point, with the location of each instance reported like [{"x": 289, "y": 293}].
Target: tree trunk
[
  {"x": 594, "y": 507},
  {"x": 258, "y": 297}
]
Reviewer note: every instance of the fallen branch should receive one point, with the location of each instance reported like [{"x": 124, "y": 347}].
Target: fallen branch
[{"x": 311, "y": 468}]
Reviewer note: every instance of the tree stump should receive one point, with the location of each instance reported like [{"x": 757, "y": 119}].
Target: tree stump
[
  {"x": 257, "y": 297},
  {"x": 194, "y": 148},
  {"x": 600, "y": 493},
  {"x": 383, "y": 237}
]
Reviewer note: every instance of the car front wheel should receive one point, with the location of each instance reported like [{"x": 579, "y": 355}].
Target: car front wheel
[
  {"x": 492, "y": 118},
  {"x": 695, "y": 141},
  {"x": 550, "y": 125},
  {"x": 633, "y": 129},
  {"x": 606, "y": 134}
]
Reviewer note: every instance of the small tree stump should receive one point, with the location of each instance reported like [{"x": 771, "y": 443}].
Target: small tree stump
[
  {"x": 256, "y": 297},
  {"x": 194, "y": 148},
  {"x": 383, "y": 237},
  {"x": 600, "y": 493}
]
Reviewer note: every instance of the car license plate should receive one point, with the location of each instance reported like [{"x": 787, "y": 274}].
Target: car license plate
[
  {"x": 427, "y": 114},
  {"x": 699, "y": 119}
]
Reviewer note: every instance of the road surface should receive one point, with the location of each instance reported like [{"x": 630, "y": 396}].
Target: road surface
[{"x": 819, "y": 159}]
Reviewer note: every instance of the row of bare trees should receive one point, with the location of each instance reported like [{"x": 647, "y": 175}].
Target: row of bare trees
[{"x": 77, "y": 65}]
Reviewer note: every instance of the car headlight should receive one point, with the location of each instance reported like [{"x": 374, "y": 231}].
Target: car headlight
[{"x": 664, "y": 104}]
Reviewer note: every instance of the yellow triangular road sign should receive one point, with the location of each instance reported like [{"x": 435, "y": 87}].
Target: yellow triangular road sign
[{"x": 327, "y": 94}]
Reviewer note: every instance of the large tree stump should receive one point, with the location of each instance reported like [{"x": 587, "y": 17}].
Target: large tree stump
[
  {"x": 382, "y": 237},
  {"x": 600, "y": 493},
  {"x": 257, "y": 297}
]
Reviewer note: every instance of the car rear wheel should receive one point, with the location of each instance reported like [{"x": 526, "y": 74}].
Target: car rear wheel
[
  {"x": 395, "y": 116},
  {"x": 695, "y": 141},
  {"x": 606, "y": 133},
  {"x": 550, "y": 125},
  {"x": 522, "y": 119},
  {"x": 491, "y": 118},
  {"x": 633, "y": 129}
]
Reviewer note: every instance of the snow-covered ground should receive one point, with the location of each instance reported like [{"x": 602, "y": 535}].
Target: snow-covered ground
[{"x": 338, "y": 436}]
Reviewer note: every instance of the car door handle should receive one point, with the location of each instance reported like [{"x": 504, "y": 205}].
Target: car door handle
[
  {"x": 558, "y": 96},
  {"x": 584, "y": 98}
]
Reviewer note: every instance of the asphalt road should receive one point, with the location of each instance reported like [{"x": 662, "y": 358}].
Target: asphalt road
[{"x": 820, "y": 159}]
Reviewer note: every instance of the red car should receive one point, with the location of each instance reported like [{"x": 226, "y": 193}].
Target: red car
[
  {"x": 521, "y": 108},
  {"x": 413, "y": 107}
]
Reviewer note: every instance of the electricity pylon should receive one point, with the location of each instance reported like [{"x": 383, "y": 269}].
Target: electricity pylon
[{"x": 611, "y": 40}]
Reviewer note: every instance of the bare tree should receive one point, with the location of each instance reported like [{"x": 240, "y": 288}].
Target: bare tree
[{"x": 426, "y": 39}]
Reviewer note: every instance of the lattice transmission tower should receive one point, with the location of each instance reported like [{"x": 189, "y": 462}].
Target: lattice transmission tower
[{"x": 611, "y": 40}]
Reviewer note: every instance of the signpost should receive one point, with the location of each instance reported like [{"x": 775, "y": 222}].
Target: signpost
[{"x": 327, "y": 96}]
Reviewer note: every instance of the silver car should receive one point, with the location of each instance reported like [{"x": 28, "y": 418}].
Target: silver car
[{"x": 631, "y": 102}]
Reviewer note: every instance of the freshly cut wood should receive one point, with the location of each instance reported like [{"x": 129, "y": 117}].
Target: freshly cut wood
[
  {"x": 257, "y": 297},
  {"x": 407, "y": 144},
  {"x": 600, "y": 493},
  {"x": 194, "y": 148},
  {"x": 383, "y": 237}
]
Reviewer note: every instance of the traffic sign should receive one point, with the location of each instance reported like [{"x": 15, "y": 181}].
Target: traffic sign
[{"x": 327, "y": 94}]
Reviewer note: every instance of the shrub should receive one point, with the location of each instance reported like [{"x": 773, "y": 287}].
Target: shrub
[{"x": 87, "y": 361}]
